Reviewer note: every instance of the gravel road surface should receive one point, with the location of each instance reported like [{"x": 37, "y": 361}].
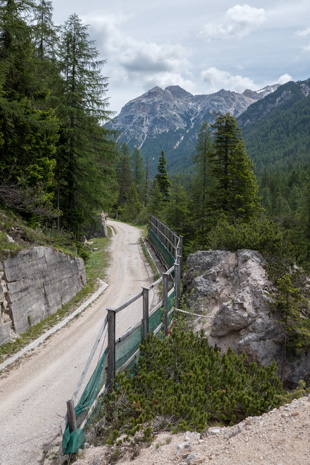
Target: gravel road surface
[{"x": 34, "y": 391}]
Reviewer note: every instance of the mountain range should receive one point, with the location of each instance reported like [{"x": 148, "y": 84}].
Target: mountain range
[{"x": 170, "y": 119}]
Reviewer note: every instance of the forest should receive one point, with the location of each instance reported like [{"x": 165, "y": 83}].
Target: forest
[{"x": 60, "y": 165}]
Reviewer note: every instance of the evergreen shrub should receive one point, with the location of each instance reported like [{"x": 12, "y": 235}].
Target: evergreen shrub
[
  {"x": 262, "y": 235},
  {"x": 183, "y": 384}
]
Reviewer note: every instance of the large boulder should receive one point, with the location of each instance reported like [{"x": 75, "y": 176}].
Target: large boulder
[{"x": 232, "y": 291}]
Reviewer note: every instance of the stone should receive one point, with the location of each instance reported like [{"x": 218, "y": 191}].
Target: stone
[
  {"x": 183, "y": 445},
  {"x": 233, "y": 289},
  {"x": 190, "y": 458},
  {"x": 215, "y": 431}
]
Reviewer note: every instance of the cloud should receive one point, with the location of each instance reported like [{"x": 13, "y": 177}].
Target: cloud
[
  {"x": 143, "y": 57},
  {"x": 284, "y": 78},
  {"x": 217, "y": 79},
  {"x": 240, "y": 20},
  {"x": 306, "y": 48},
  {"x": 304, "y": 32},
  {"x": 132, "y": 60}
]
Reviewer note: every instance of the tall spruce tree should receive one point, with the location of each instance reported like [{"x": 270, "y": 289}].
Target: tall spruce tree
[
  {"x": 85, "y": 153},
  {"x": 138, "y": 174},
  {"x": 203, "y": 178},
  {"x": 28, "y": 130},
  {"x": 124, "y": 174},
  {"x": 161, "y": 177},
  {"x": 236, "y": 190}
]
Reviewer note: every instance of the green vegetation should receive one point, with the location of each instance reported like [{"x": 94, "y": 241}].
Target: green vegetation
[
  {"x": 291, "y": 306},
  {"x": 56, "y": 157},
  {"x": 183, "y": 384}
]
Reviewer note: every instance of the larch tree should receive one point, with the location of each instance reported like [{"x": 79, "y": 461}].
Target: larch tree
[
  {"x": 85, "y": 153},
  {"x": 235, "y": 192}
]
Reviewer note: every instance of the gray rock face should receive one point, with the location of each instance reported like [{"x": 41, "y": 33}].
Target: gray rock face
[
  {"x": 37, "y": 282},
  {"x": 174, "y": 109},
  {"x": 232, "y": 289}
]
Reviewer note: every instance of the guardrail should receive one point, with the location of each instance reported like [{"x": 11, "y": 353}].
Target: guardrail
[{"x": 118, "y": 354}]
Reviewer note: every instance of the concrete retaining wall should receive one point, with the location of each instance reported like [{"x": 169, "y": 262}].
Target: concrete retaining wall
[{"x": 34, "y": 284}]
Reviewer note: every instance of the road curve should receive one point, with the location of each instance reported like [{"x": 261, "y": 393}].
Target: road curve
[{"x": 34, "y": 392}]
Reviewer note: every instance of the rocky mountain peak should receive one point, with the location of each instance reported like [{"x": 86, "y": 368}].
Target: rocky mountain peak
[{"x": 145, "y": 121}]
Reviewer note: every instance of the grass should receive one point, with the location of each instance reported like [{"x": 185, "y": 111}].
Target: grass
[
  {"x": 95, "y": 268},
  {"x": 149, "y": 259},
  {"x": 98, "y": 261},
  {"x": 11, "y": 224}
]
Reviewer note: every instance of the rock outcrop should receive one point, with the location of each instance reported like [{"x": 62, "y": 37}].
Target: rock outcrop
[
  {"x": 232, "y": 291},
  {"x": 35, "y": 283}
]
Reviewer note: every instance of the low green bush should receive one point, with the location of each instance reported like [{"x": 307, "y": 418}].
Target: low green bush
[{"x": 183, "y": 384}]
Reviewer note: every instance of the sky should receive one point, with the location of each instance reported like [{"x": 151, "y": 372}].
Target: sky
[{"x": 201, "y": 45}]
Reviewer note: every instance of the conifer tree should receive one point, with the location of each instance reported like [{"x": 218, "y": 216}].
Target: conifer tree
[
  {"x": 132, "y": 207},
  {"x": 85, "y": 152},
  {"x": 292, "y": 307},
  {"x": 124, "y": 174},
  {"x": 138, "y": 174},
  {"x": 147, "y": 181},
  {"x": 45, "y": 32},
  {"x": 28, "y": 129},
  {"x": 161, "y": 177},
  {"x": 236, "y": 191},
  {"x": 204, "y": 151}
]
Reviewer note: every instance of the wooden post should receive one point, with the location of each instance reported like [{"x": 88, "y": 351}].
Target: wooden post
[
  {"x": 71, "y": 416},
  {"x": 181, "y": 255},
  {"x": 145, "y": 321},
  {"x": 177, "y": 283},
  {"x": 111, "y": 348},
  {"x": 165, "y": 302}
]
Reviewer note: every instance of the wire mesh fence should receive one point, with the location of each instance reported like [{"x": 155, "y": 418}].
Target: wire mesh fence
[{"x": 117, "y": 354}]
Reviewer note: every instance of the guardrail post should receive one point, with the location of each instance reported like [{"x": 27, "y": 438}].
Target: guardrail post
[
  {"x": 71, "y": 416},
  {"x": 177, "y": 278},
  {"x": 145, "y": 320},
  {"x": 165, "y": 301},
  {"x": 111, "y": 348},
  {"x": 180, "y": 253}
]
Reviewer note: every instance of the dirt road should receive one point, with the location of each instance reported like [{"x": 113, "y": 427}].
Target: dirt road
[{"x": 34, "y": 392}]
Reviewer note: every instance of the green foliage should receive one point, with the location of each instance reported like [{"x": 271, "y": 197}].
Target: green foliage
[
  {"x": 292, "y": 309},
  {"x": 132, "y": 207},
  {"x": 262, "y": 235},
  {"x": 161, "y": 178},
  {"x": 124, "y": 174},
  {"x": 138, "y": 173},
  {"x": 85, "y": 154},
  {"x": 203, "y": 179},
  {"x": 28, "y": 129},
  {"x": 236, "y": 191},
  {"x": 183, "y": 384}
]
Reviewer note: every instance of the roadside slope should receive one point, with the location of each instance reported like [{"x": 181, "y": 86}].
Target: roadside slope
[{"x": 34, "y": 392}]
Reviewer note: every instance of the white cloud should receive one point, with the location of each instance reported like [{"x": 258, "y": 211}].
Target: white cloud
[
  {"x": 303, "y": 32},
  {"x": 284, "y": 78},
  {"x": 131, "y": 59},
  {"x": 306, "y": 48},
  {"x": 217, "y": 79},
  {"x": 137, "y": 57},
  {"x": 240, "y": 20}
]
